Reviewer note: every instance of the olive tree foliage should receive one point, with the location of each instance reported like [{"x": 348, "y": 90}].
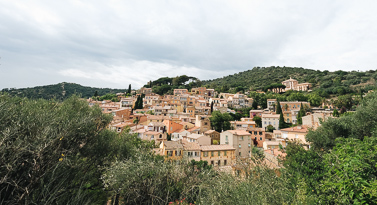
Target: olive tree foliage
[
  {"x": 149, "y": 179},
  {"x": 38, "y": 139},
  {"x": 262, "y": 186},
  {"x": 350, "y": 172},
  {"x": 358, "y": 125}
]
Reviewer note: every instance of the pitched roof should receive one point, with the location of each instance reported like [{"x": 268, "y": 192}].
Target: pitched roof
[
  {"x": 193, "y": 128},
  {"x": 210, "y": 131},
  {"x": 255, "y": 129},
  {"x": 194, "y": 136},
  {"x": 238, "y": 132},
  {"x": 190, "y": 145},
  {"x": 302, "y": 129},
  {"x": 217, "y": 147},
  {"x": 157, "y": 124},
  {"x": 173, "y": 145},
  {"x": 270, "y": 116}
]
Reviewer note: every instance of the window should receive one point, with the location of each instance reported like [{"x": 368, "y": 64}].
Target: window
[
  {"x": 219, "y": 163},
  {"x": 260, "y": 133},
  {"x": 226, "y": 137},
  {"x": 239, "y": 145},
  {"x": 255, "y": 132},
  {"x": 212, "y": 154},
  {"x": 255, "y": 138},
  {"x": 224, "y": 153},
  {"x": 212, "y": 163},
  {"x": 152, "y": 137},
  {"x": 224, "y": 162},
  {"x": 205, "y": 154},
  {"x": 241, "y": 138},
  {"x": 239, "y": 153},
  {"x": 261, "y": 138},
  {"x": 249, "y": 144},
  {"x": 196, "y": 154}
]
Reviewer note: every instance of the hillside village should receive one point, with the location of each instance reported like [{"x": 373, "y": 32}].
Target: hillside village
[
  {"x": 201, "y": 143},
  {"x": 180, "y": 124}
]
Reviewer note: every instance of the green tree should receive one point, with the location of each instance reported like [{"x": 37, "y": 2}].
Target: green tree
[
  {"x": 129, "y": 89},
  {"x": 282, "y": 123},
  {"x": 335, "y": 113},
  {"x": 220, "y": 122},
  {"x": 301, "y": 114},
  {"x": 314, "y": 99},
  {"x": 278, "y": 108},
  {"x": 136, "y": 120},
  {"x": 257, "y": 153},
  {"x": 350, "y": 178},
  {"x": 42, "y": 147},
  {"x": 257, "y": 120},
  {"x": 270, "y": 128},
  {"x": 254, "y": 105},
  {"x": 358, "y": 125},
  {"x": 303, "y": 166}
]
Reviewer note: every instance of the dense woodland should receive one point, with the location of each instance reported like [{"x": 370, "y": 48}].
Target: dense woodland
[
  {"x": 61, "y": 153},
  {"x": 61, "y": 91},
  {"x": 325, "y": 84},
  {"x": 166, "y": 85}
]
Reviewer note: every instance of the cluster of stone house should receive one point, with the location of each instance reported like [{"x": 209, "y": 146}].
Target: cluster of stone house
[
  {"x": 292, "y": 84},
  {"x": 179, "y": 124},
  {"x": 280, "y": 137}
]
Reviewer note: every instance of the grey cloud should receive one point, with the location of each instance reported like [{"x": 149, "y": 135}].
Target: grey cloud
[{"x": 104, "y": 44}]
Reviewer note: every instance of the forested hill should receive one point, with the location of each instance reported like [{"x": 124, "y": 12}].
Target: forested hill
[
  {"x": 338, "y": 82},
  {"x": 60, "y": 91}
]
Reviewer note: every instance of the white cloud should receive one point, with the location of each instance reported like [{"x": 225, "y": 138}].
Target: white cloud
[
  {"x": 135, "y": 72},
  {"x": 112, "y": 43}
]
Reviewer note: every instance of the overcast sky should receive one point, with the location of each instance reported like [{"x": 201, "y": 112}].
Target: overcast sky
[{"x": 114, "y": 43}]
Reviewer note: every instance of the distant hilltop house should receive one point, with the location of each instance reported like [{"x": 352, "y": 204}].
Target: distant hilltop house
[{"x": 293, "y": 84}]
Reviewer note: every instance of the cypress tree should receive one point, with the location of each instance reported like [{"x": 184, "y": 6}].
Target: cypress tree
[
  {"x": 254, "y": 105},
  {"x": 300, "y": 114},
  {"x": 141, "y": 103},
  {"x": 278, "y": 108},
  {"x": 129, "y": 89},
  {"x": 281, "y": 121}
]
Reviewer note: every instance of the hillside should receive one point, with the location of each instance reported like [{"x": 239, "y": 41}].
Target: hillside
[
  {"x": 338, "y": 82},
  {"x": 60, "y": 91},
  {"x": 324, "y": 83}
]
